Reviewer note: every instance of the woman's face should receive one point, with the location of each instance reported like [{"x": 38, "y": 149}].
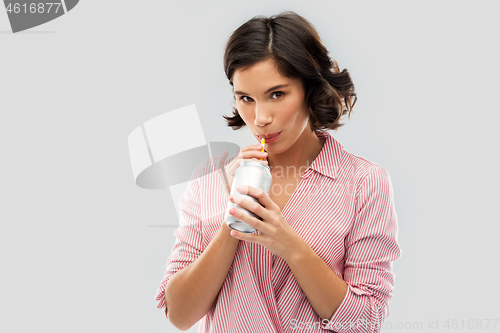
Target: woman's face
[{"x": 270, "y": 103}]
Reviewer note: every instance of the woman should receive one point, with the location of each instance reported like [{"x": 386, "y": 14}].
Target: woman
[{"x": 321, "y": 259}]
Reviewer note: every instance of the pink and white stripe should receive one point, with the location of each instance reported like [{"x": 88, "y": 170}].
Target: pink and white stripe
[{"x": 343, "y": 208}]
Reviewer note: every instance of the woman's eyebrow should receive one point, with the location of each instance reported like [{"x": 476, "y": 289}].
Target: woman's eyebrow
[{"x": 268, "y": 90}]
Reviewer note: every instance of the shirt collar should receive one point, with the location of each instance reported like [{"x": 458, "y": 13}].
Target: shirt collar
[{"x": 328, "y": 160}]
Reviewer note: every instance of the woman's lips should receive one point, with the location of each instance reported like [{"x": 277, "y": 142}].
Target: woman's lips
[{"x": 270, "y": 138}]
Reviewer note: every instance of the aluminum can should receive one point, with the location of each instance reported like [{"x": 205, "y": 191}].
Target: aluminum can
[{"x": 255, "y": 174}]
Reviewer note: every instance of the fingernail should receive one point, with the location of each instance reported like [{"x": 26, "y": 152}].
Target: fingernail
[
  {"x": 232, "y": 211},
  {"x": 238, "y": 188},
  {"x": 231, "y": 198}
]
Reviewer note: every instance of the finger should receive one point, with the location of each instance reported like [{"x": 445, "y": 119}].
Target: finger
[
  {"x": 235, "y": 165},
  {"x": 259, "y": 160},
  {"x": 254, "y": 154},
  {"x": 259, "y": 194},
  {"x": 250, "y": 220},
  {"x": 251, "y": 149},
  {"x": 246, "y": 155},
  {"x": 256, "y": 146},
  {"x": 254, "y": 207},
  {"x": 245, "y": 237}
]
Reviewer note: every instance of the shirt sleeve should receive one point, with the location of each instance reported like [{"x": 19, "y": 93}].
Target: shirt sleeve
[
  {"x": 371, "y": 246},
  {"x": 188, "y": 243}
]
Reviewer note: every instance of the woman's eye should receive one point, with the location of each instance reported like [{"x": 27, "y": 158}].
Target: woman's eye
[{"x": 279, "y": 93}]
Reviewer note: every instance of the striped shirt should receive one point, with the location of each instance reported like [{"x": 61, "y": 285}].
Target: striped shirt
[{"x": 344, "y": 210}]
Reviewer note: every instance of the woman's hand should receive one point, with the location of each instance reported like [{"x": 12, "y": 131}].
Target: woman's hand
[
  {"x": 252, "y": 152},
  {"x": 275, "y": 233}
]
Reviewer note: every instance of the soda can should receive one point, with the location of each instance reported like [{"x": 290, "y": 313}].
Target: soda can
[{"x": 251, "y": 173}]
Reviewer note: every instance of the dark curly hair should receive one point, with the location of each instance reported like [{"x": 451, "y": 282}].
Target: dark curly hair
[{"x": 294, "y": 44}]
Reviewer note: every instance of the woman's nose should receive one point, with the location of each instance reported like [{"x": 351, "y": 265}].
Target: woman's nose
[{"x": 262, "y": 116}]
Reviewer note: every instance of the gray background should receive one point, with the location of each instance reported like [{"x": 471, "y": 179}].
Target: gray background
[{"x": 77, "y": 249}]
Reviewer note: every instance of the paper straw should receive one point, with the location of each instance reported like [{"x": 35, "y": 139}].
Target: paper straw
[{"x": 262, "y": 143}]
